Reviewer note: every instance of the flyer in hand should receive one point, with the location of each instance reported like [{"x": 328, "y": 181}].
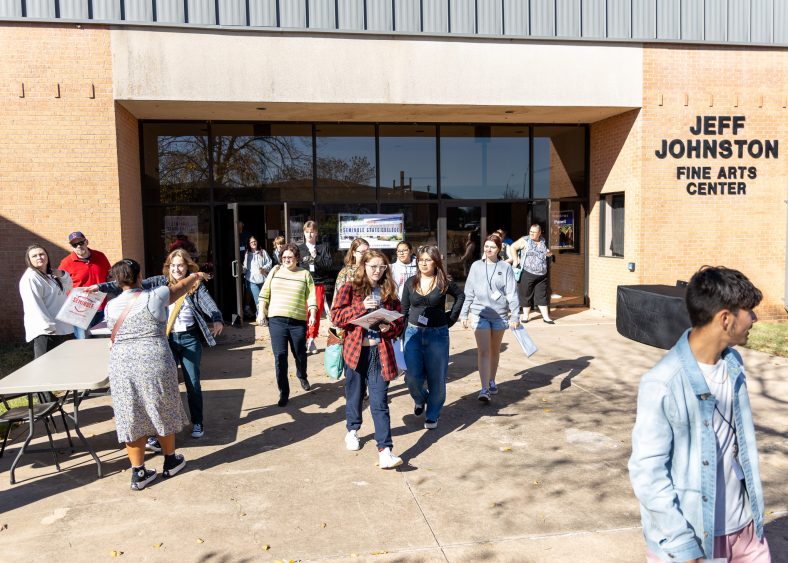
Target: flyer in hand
[
  {"x": 376, "y": 316},
  {"x": 525, "y": 341},
  {"x": 80, "y": 307}
]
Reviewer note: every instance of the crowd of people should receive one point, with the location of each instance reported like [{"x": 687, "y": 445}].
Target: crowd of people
[{"x": 694, "y": 462}]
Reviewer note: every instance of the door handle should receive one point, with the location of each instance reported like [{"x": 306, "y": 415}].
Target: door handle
[{"x": 235, "y": 268}]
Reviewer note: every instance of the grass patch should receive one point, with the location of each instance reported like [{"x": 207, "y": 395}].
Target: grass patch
[
  {"x": 13, "y": 357},
  {"x": 769, "y": 337}
]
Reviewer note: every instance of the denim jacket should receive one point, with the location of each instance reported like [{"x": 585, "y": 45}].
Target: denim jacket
[
  {"x": 673, "y": 468},
  {"x": 201, "y": 303}
]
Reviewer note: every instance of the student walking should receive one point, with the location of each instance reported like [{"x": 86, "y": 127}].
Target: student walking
[
  {"x": 257, "y": 264},
  {"x": 491, "y": 301},
  {"x": 404, "y": 267},
  {"x": 427, "y": 333},
  {"x": 368, "y": 353}
]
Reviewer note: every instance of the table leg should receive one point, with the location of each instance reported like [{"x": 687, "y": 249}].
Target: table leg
[
  {"x": 31, "y": 423},
  {"x": 75, "y": 419}
]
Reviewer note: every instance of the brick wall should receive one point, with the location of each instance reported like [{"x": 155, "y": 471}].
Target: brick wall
[{"x": 66, "y": 157}]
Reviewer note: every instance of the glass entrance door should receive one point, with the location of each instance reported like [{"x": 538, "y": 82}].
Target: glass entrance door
[{"x": 461, "y": 237}]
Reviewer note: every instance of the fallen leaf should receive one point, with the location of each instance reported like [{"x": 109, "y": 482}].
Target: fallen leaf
[
  {"x": 379, "y": 553},
  {"x": 200, "y": 540},
  {"x": 158, "y": 545},
  {"x": 323, "y": 525},
  {"x": 115, "y": 553},
  {"x": 266, "y": 547},
  {"x": 537, "y": 483},
  {"x": 547, "y": 410},
  {"x": 3, "y": 527},
  {"x": 506, "y": 449}
]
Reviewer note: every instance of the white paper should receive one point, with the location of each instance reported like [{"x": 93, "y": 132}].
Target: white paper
[
  {"x": 80, "y": 307},
  {"x": 375, "y": 316},
  {"x": 525, "y": 341},
  {"x": 399, "y": 353}
]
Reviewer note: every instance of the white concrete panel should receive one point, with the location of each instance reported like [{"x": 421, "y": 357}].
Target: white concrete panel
[{"x": 179, "y": 65}]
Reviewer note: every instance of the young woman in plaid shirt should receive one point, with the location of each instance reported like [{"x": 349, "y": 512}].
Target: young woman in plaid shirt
[{"x": 369, "y": 355}]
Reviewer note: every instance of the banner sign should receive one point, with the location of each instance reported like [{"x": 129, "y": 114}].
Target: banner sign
[
  {"x": 381, "y": 231},
  {"x": 562, "y": 230}
]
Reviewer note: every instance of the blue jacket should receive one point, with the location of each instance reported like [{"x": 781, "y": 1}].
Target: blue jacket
[
  {"x": 673, "y": 467},
  {"x": 201, "y": 302}
]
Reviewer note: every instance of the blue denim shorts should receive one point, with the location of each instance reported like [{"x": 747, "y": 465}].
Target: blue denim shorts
[{"x": 481, "y": 323}]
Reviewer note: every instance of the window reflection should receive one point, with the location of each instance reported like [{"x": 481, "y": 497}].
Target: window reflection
[
  {"x": 254, "y": 162},
  {"x": 559, "y": 162},
  {"x": 421, "y": 224},
  {"x": 484, "y": 162},
  {"x": 175, "y": 162},
  {"x": 346, "y": 163},
  {"x": 408, "y": 162},
  {"x": 183, "y": 226}
]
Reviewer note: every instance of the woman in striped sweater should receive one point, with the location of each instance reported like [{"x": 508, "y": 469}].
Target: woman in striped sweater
[{"x": 288, "y": 292}]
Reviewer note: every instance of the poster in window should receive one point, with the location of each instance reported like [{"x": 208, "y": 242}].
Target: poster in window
[
  {"x": 562, "y": 230},
  {"x": 380, "y": 230},
  {"x": 182, "y": 231}
]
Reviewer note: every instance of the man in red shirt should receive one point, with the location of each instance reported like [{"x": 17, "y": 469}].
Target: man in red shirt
[{"x": 86, "y": 267}]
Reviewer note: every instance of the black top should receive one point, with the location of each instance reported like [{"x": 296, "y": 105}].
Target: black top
[
  {"x": 432, "y": 305},
  {"x": 323, "y": 263}
]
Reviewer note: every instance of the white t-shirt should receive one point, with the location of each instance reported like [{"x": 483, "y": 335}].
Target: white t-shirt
[
  {"x": 732, "y": 510},
  {"x": 157, "y": 301},
  {"x": 185, "y": 318}
]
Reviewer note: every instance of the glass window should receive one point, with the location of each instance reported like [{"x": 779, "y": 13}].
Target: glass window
[
  {"x": 262, "y": 162},
  {"x": 421, "y": 224},
  {"x": 463, "y": 240},
  {"x": 346, "y": 163},
  {"x": 327, "y": 217},
  {"x": 611, "y": 225},
  {"x": 484, "y": 162},
  {"x": 175, "y": 159},
  {"x": 171, "y": 227},
  {"x": 408, "y": 162},
  {"x": 559, "y": 162}
]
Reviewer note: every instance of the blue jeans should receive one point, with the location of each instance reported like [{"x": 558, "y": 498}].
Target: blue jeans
[
  {"x": 254, "y": 289},
  {"x": 367, "y": 376},
  {"x": 187, "y": 351},
  {"x": 80, "y": 333},
  {"x": 427, "y": 358},
  {"x": 284, "y": 331}
]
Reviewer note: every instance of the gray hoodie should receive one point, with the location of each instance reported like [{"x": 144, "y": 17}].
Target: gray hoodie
[{"x": 484, "y": 279}]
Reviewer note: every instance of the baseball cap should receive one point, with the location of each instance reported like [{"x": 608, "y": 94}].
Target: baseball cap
[{"x": 75, "y": 236}]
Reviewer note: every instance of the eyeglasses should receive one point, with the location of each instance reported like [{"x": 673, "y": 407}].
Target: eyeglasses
[
  {"x": 80, "y": 243},
  {"x": 425, "y": 260},
  {"x": 381, "y": 268},
  {"x": 287, "y": 257},
  {"x": 402, "y": 251}
]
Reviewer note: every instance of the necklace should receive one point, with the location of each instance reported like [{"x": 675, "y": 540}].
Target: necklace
[
  {"x": 733, "y": 429},
  {"x": 430, "y": 287}
]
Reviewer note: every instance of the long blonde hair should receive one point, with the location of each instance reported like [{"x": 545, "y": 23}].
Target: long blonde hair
[
  {"x": 180, "y": 253},
  {"x": 361, "y": 284},
  {"x": 353, "y": 247}
]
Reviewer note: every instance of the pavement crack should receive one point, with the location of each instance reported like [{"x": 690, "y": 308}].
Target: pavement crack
[{"x": 426, "y": 521}]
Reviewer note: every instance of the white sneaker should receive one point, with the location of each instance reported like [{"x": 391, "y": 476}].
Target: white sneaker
[
  {"x": 311, "y": 347},
  {"x": 387, "y": 460},
  {"x": 430, "y": 424},
  {"x": 351, "y": 441},
  {"x": 197, "y": 431}
]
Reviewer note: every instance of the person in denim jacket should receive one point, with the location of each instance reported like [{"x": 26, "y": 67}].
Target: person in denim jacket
[{"x": 694, "y": 463}]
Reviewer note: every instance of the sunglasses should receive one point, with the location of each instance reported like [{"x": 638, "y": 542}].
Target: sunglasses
[{"x": 80, "y": 243}]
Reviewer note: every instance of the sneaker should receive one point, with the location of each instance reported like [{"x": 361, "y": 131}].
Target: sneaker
[
  {"x": 351, "y": 441},
  {"x": 172, "y": 465},
  {"x": 311, "y": 347},
  {"x": 387, "y": 460},
  {"x": 484, "y": 396},
  {"x": 418, "y": 410},
  {"x": 197, "y": 431},
  {"x": 493, "y": 388},
  {"x": 430, "y": 424},
  {"x": 140, "y": 477},
  {"x": 152, "y": 445}
]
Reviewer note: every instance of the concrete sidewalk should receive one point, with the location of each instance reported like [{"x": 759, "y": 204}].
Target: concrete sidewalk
[{"x": 538, "y": 475}]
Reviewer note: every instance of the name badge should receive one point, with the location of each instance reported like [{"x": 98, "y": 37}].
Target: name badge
[
  {"x": 496, "y": 295},
  {"x": 311, "y": 267},
  {"x": 423, "y": 320},
  {"x": 243, "y": 248}
]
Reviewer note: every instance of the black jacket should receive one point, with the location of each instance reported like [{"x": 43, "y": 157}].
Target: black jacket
[{"x": 323, "y": 263}]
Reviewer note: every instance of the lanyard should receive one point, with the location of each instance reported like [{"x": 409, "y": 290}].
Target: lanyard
[{"x": 490, "y": 279}]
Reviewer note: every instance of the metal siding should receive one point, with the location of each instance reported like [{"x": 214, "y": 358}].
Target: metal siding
[
  {"x": 567, "y": 18},
  {"x": 668, "y": 19},
  {"x": 322, "y": 14},
  {"x": 170, "y": 11},
  {"x": 232, "y": 12},
  {"x": 781, "y": 37},
  {"x": 593, "y": 18},
  {"x": 716, "y": 20},
  {"x": 202, "y": 11},
  {"x": 379, "y": 17},
  {"x": 351, "y": 14},
  {"x": 436, "y": 16},
  {"x": 262, "y": 13},
  {"x": 489, "y": 17},
  {"x": 691, "y": 21},
  {"x": 738, "y": 20},
  {"x": 761, "y": 30},
  {"x": 644, "y": 19},
  {"x": 407, "y": 15},
  {"x": 515, "y": 17},
  {"x": 10, "y": 9},
  {"x": 619, "y": 19},
  {"x": 138, "y": 10},
  {"x": 75, "y": 9},
  {"x": 106, "y": 10},
  {"x": 292, "y": 13},
  {"x": 543, "y": 18},
  {"x": 463, "y": 16},
  {"x": 40, "y": 8}
]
